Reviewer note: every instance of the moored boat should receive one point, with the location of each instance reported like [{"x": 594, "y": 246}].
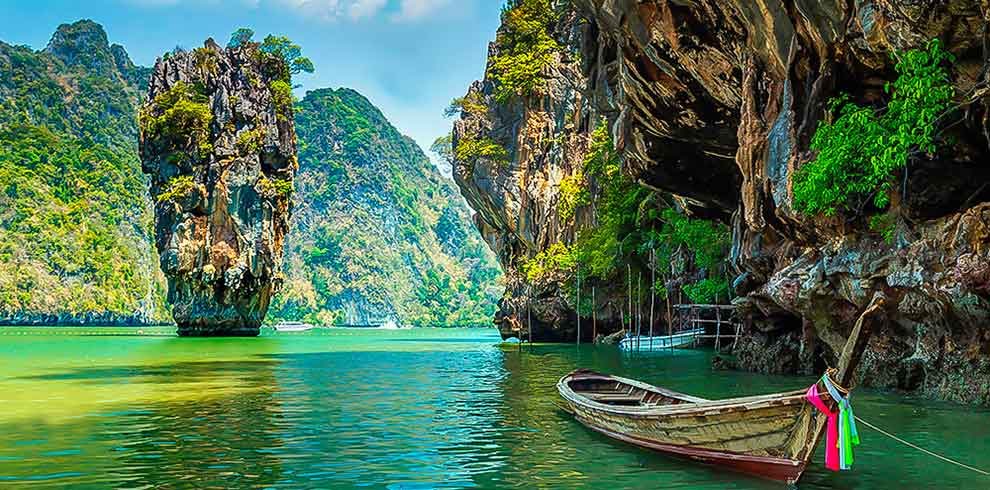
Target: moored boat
[
  {"x": 646, "y": 343},
  {"x": 770, "y": 436},
  {"x": 293, "y": 327}
]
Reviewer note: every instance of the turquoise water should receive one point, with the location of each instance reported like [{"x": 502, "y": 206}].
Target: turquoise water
[{"x": 413, "y": 409}]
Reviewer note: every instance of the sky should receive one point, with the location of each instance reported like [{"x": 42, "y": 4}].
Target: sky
[{"x": 409, "y": 57}]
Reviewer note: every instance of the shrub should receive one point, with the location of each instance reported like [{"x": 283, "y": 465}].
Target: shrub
[
  {"x": 707, "y": 291},
  {"x": 557, "y": 258},
  {"x": 468, "y": 149},
  {"x": 249, "y": 142},
  {"x": 275, "y": 187},
  {"x": 573, "y": 194},
  {"x": 859, "y": 152},
  {"x": 177, "y": 188},
  {"x": 472, "y": 103},
  {"x": 282, "y": 96},
  {"x": 180, "y": 115}
]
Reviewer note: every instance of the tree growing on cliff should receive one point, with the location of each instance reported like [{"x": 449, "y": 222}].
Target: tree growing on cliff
[
  {"x": 278, "y": 46},
  {"x": 635, "y": 226},
  {"x": 526, "y": 48},
  {"x": 860, "y": 150}
]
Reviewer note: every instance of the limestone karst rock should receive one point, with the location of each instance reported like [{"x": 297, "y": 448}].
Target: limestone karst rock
[
  {"x": 715, "y": 103},
  {"x": 218, "y": 142}
]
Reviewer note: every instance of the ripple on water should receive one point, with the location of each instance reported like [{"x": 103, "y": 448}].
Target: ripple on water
[{"x": 422, "y": 409}]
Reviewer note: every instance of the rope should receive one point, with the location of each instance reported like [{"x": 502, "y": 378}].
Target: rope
[{"x": 902, "y": 441}]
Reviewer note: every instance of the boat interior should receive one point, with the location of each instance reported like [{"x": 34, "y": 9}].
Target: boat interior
[{"x": 610, "y": 391}]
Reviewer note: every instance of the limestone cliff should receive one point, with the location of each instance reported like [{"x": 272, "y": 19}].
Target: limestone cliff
[
  {"x": 219, "y": 144},
  {"x": 716, "y": 102}
]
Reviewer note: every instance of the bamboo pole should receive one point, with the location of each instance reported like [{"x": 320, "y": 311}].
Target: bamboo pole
[
  {"x": 529, "y": 314},
  {"x": 639, "y": 311},
  {"x": 578, "y": 305},
  {"x": 594, "y": 315},
  {"x": 718, "y": 329},
  {"x": 629, "y": 277},
  {"x": 653, "y": 283}
]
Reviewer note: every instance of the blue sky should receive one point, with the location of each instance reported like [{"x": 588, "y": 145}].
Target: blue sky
[{"x": 409, "y": 57}]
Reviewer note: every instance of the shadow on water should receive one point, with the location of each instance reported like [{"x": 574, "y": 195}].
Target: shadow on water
[
  {"x": 298, "y": 414},
  {"x": 173, "y": 373}
]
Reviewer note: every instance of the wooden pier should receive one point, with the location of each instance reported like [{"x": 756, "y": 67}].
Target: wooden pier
[{"x": 727, "y": 325}]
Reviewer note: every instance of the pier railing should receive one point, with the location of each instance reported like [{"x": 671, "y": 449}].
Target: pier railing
[{"x": 690, "y": 317}]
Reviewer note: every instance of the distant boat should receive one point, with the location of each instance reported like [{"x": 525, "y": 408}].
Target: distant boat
[
  {"x": 293, "y": 327},
  {"x": 643, "y": 343}
]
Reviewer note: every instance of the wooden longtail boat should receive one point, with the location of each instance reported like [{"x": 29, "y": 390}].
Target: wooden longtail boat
[{"x": 770, "y": 436}]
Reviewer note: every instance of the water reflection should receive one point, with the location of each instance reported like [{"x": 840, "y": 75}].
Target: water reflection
[{"x": 396, "y": 410}]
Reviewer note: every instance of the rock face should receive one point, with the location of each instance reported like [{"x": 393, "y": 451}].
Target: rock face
[
  {"x": 219, "y": 145},
  {"x": 516, "y": 196},
  {"x": 716, "y": 102}
]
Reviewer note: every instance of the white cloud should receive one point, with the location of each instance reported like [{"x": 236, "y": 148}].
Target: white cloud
[
  {"x": 365, "y": 8},
  {"x": 335, "y": 9},
  {"x": 329, "y": 10},
  {"x": 410, "y": 10}
]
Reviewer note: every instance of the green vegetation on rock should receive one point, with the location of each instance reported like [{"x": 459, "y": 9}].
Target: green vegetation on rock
[
  {"x": 632, "y": 226},
  {"x": 273, "y": 187},
  {"x": 75, "y": 219},
  {"x": 471, "y": 149},
  {"x": 377, "y": 233},
  {"x": 526, "y": 48},
  {"x": 177, "y": 188},
  {"x": 181, "y": 115},
  {"x": 862, "y": 148}
]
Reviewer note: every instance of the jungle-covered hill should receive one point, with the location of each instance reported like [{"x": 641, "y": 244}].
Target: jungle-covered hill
[{"x": 378, "y": 234}]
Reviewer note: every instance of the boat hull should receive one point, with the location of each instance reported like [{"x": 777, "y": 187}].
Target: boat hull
[
  {"x": 655, "y": 343},
  {"x": 778, "y": 469},
  {"x": 768, "y": 436}
]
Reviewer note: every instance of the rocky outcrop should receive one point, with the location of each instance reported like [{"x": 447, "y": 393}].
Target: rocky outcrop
[
  {"x": 219, "y": 145},
  {"x": 516, "y": 195},
  {"x": 716, "y": 102}
]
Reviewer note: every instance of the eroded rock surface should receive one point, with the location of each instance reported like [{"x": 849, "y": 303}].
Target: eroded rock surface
[
  {"x": 716, "y": 102},
  {"x": 219, "y": 144}
]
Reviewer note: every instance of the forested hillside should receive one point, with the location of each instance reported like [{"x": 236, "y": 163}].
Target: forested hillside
[
  {"x": 377, "y": 233},
  {"x": 75, "y": 219}
]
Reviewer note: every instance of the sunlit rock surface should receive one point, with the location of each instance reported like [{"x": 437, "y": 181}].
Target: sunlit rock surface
[
  {"x": 222, "y": 197},
  {"x": 716, "y": 102}
]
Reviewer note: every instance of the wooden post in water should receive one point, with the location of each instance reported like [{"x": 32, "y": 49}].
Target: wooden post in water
[
  {"x": 578, "y": 309},
  {"x": 718, "y": 327},
  {"x": 629, "y": 276},
  {"x": 653, "y": 284},
  {"x": 529, "y": 313},
  {"x": 594, "y": 316},
  {"x": 639, "y": 310}
]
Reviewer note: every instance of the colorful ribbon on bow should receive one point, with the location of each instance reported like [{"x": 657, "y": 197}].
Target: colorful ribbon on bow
[{"x": 841, "y": 435}]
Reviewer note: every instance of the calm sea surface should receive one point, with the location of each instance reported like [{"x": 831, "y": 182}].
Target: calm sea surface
[{"x": 418, "y": 409}]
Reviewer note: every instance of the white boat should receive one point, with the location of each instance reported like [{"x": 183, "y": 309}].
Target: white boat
[
  {"x": 293, "y": 327},
  {"x": 645, "y": 343}
]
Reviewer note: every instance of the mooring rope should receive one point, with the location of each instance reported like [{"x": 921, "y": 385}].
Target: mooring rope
[{"x": 906, "y": 443}]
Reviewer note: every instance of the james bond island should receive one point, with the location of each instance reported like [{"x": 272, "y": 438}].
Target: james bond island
[
  {"x": 495, "y": 244},
  {"x": 219, "y": 144}
]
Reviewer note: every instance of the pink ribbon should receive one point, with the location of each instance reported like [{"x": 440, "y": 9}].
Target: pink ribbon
[{"x": 832, "y": 438}]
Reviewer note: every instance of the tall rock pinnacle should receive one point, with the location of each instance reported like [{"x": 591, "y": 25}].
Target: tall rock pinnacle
[{"x": 217, "y": 139}]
